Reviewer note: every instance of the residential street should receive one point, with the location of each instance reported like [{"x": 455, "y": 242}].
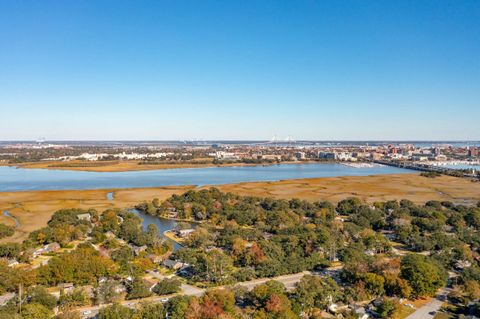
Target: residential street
[
  {"x": 288, "y": 280},
  {"x": 428, "y": 310}
]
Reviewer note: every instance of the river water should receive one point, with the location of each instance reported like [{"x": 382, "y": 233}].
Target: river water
[
  {"x": 19, "y": 179},
  {"x": 162, "y": 224},
  {"x": 17, "y": 222}
]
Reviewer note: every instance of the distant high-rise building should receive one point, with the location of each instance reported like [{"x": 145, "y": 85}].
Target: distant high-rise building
[{"x": 473, "y": 152}]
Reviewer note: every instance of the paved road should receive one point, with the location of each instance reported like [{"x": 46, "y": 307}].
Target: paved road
[
  {"x": 189, "y": 290},
  {"x": 429, "y": 310},
  {"x": 288, "y": 280}
]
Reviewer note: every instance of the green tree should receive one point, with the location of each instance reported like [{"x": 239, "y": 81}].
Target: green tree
[
  {"x": 6, "y": 231},
  {"x": 123, "y": 256},
  {"x": 422, "y": 274},
  {"x": 109, "y": 221},
  {"x": 390, "y": 309},
  {"x": 167, "y": 286},
  {"x": 76, "y": 298},
  {"x": 374, "y": 284},
  {"x": 261, "y": 293},
  {"x": 177, "y": 307},
  {"x": 115, "y": 311},
  {"x": 315, "y": 292},
  {"x": 81, "y": 266},
  {"x": 106, "y": 292},
  {"x": 10, "y": 250},
  {"x": 138, "y": 289},
  {"x": 396, "y": 286},
  {"x": 41, "y": 296},
  {"x": 69, "y": 315},
  {"x": 36, "y": 311},
  {"x": 348, "y": 206},
  {"x": 150, "y": 311}
]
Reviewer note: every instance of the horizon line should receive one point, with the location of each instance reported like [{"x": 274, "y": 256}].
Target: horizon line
[{"x": 240, "y": 140}]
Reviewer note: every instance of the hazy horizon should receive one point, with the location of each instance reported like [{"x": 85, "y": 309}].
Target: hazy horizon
[
  {"x": 189, "y": 70},
  {"x": 237, "y": 141}
]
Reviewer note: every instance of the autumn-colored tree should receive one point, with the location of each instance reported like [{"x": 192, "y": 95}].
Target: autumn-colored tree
[
  {"x": 210, "y": 308},
  {"x": 277, "y": 303}
]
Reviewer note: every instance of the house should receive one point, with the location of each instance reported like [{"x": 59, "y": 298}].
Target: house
[
  {"x": 172, "y": 213},
  {"x": 184, "y": 232},
  {"x": 11, "y": 262},
  {"x": 89, "y": 290},
  {"x": 120, "y": 288},
  {"x": 390, "y": 234},
  {"x": 271, "y": 157},
  {"x": 138, "y": 249},
  {"x": 109, "y": 235},
  {"x": 377, "y": 302},
  {"x": 370, "y": 252},
  {"x": 299, "y": 155},
  {"x": 102, "y": 279},
  {"x": 155, "y": 258},
  {"x": 50, "y": 248},
  {"x": 267, "y": 236},
  {"x": 419, "y": 158},
  {"x": 462, "y": 264},
  {"x": 328, "y": 155},
  {"x": 249, "y": 245},
  {"x": 5, "y": 298},
  {"x": 362, "y": 313},
  {"x": 225, "y": 155},
  {"x": 172, "y": 264},
  {"x": 335, "y": 308},
  {"x": 86, "y": 217},
  {"x": 66, "y": 287},
  {"x": 185, "y": 271}
]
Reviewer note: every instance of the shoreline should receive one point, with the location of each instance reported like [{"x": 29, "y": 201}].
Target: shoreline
[
  {"x": 130, "y": 166},
  {"x": 170, "y": 235}
]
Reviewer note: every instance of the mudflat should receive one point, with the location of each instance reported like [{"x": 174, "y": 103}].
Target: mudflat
[
  {"x": 126, "y": 166},
  {"x": 371, "y": 188},
  {"x": 34, "y": 208}
]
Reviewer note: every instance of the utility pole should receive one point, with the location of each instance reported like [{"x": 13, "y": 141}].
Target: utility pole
[{"x": 20, "y": 292}]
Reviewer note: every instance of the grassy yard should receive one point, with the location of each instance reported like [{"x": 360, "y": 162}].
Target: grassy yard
[
  {"x": 406, "y": 311},
  {"x": 442, "y": 315}
]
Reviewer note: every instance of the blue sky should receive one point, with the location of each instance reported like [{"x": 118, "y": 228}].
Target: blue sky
[{"x": 240, "y": 69}]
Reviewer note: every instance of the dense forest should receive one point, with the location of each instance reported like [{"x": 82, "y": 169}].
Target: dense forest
[
  {"x": 356, "y": 254},
  {"x": 243, "y": 238}
]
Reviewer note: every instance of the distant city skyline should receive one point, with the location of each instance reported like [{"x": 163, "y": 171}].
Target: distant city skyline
[{"x": 249, "y": 70}]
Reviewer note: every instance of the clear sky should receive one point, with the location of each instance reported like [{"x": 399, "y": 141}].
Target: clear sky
[{"x": 244, "y": 69}]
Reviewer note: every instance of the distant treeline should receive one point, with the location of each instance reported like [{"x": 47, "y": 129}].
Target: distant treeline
[
  {"x": 84, "y": 164},
  {"x": 430, "y": 174},
  {"x": 170, "y": 162}
]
